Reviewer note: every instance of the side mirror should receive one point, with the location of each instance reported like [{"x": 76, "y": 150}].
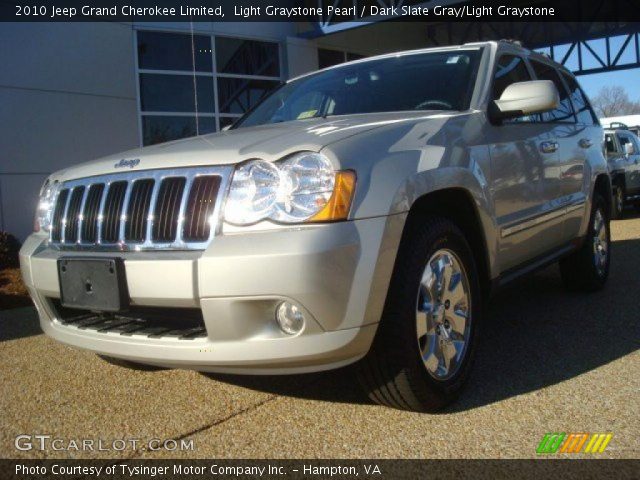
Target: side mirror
[
  {"x": 628, "y": 149},
  {"x": 525, "y": 98}
]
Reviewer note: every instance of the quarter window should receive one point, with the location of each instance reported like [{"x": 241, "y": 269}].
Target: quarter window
[
  {"x": 198, "y": 84},
  {"x": 564, "y": 112}
]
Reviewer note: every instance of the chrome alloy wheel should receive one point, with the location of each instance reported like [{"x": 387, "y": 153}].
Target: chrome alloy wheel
[
  {"x": 600, "y": 243},
  {"x": 443, "y": 314}
]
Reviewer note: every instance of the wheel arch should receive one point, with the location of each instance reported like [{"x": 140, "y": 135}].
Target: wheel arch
[
  {"x": 602, "y": 186},
  {"x": 457, "y": 205}
]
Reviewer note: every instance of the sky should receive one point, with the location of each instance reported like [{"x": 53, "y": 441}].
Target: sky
[{"x": 629, "y": 79}]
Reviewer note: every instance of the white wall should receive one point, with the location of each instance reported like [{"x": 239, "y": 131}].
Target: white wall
[{"x": 68, "y": 95}]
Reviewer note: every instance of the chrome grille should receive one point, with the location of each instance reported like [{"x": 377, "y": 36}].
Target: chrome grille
[
  {"x": 167, "y": 209},
  {"x": 143, "y": 210}
]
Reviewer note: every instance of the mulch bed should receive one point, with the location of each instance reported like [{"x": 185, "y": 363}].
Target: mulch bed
[{"x": 13, "y": 293}]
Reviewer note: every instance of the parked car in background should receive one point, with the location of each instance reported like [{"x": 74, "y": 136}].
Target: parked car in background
[
  {"x": 623, "y": 159},
  {"x": 362, "y": 214},
  {"x": 632, "y": 122}
]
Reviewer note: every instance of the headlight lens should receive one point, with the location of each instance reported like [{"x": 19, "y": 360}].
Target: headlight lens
[
  {"x": 302, "y": 188},
  {"x": 44, "y": 211},
  {"x": 253, "y": 192}
]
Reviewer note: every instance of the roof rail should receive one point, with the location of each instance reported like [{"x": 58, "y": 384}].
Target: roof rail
[
  {"x": 618, "y": 126},
  {"x": 512, "y": 41}
]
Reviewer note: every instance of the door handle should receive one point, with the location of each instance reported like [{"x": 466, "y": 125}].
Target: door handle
[
  {"x": 585, "y": 143},
  {"x": 548, "y": 147}
]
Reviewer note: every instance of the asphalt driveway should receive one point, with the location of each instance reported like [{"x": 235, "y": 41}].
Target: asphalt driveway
[{"x": 550, "y": 361}]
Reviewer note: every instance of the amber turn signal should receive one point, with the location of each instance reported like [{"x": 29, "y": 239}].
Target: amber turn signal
[{"x": 338, "y": 206}]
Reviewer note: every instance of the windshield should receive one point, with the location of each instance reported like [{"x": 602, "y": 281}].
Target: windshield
[{"x": 425, "y": 81}]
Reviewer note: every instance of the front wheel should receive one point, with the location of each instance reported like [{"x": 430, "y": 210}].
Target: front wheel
[
  {"x": 588, "y": 268},
  {"x": 426, "y": 340}
]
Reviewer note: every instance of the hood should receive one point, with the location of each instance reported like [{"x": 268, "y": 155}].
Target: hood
[{"x": 269, "y": 142}]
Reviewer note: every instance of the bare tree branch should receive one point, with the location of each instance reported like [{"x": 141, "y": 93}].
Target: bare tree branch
[{"x": 614, "y": 101}]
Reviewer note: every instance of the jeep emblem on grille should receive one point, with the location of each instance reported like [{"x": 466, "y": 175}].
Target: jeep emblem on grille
[{"x": 127, "y": 163}]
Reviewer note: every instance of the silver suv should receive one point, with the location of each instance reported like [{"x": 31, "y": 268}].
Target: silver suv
[
  {"x": 623, "y": 157},
  {"x": 359, "y": 215}
]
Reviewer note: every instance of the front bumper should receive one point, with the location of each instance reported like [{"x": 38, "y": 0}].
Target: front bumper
[{"x": 337, "y": 274}]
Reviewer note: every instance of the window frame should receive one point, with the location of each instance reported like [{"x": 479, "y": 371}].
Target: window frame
[
  {"x": 217, "y": 115},
  {"x": 595, "y": 120},
  {"x": 566, "y": 88}
]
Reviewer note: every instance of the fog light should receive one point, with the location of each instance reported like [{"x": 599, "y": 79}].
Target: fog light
[{"x": 290, "y": 318}]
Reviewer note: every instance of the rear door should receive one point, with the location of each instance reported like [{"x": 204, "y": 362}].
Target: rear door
[
  {"x": 631, "y": 162},
  {"x": 584, "y": 144},
  {"x": 523, "y": 166}
]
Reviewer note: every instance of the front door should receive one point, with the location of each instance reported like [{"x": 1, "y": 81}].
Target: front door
[{"x": 524, "y": 162}]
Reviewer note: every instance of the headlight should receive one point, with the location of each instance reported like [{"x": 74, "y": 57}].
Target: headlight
[
  {"x": 302, "y": 188},
  {"x": 44, "y": 211}
]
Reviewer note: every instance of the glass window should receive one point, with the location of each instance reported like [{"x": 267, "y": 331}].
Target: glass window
[
  {"x": 329, "y": 58},
  {"x": 625, "y": 138},
  {"x": 584, "y": 112},
  {"x": 224, "y": 121},
  {"x": 172, "y": 51},
  {"x": 610, "y": 143},
  {"x": 247, "y": 57},
  {"x": 564, "y": 112},
  {"x": 166, "y": 82},
  {"x": 159, "y": 129},
  {"x": 509, "y": 69},
  {"x": 354, "y": 56},
  {"x": 239, "y": 95},
  {"x": 174, "y": 93},
  {"x": 427, "y": 81}
]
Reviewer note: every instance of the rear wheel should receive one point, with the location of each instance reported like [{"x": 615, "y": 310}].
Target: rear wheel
[
  {"x": 426, "y": 340},
  {"x": 588, "y": 268}
]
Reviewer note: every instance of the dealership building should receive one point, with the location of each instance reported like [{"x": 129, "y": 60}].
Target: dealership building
[
  {"x": 73, "y": 92},
  {"x": 76, "y": 91}
]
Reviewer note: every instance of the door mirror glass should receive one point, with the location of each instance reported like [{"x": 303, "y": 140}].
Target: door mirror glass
[{"x": 526, "y": 98}]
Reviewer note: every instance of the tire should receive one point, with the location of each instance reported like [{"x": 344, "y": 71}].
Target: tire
[
  {"x": 588, "y": 268},
  {"x": 393, "y": 372},
  {"x": 119, "y": 362},
  {"x": 618, "y": 202}
]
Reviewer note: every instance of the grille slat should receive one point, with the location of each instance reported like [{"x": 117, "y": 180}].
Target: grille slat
[
  {"x": 113, "y": 212},
  {"x": 152, "y": 209},
  {"x": 138, "y": 210},
  {"x": 73, "y": 214},
  {"x": 89, "y": 230},
  {"x": 58, "y": 213},
  {"x": 200, "y": 205},
  {"x": 166, "y": 215}
]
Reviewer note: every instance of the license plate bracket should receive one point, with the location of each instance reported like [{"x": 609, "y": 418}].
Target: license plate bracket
[{"x": 97, "y": 284}]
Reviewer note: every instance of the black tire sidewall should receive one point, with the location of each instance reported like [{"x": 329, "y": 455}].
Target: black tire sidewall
[{"x": 449, "y": 237}]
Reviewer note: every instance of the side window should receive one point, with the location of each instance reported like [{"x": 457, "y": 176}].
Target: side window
[
  {"x": 610, "y": 143},
  {"x": 584, "y": 112},
  {"x": 564, "y": 112},
  {"x": 625, "y": 138},
  {"x": 509, "y": 69}
]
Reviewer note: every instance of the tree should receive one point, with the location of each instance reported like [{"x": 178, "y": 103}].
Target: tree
[{"x": 614, "y": 101}]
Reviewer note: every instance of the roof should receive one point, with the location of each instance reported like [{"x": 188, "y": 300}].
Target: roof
[{"x": 629, "y": 120}]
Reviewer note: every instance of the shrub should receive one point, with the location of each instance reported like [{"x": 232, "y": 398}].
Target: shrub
[{"x": 9, "y": 248}]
